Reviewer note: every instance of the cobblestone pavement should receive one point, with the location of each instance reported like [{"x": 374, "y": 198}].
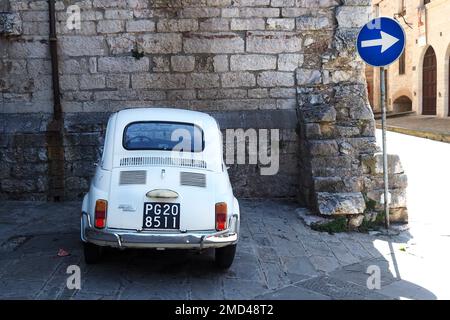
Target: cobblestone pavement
[{"x": 278, "y": 258}]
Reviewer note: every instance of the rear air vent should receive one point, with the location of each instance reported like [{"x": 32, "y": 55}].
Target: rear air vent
[
  {"x": 133, "y": 177},
  {"x": 162, "y": 161},
  {"x": 193, "y": 179}
]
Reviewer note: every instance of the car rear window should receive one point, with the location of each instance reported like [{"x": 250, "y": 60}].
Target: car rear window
[{"x": 167, "y": 136}]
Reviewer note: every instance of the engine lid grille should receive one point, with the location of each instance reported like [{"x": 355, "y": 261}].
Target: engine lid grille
[
  {"x": 193, "y": 179},
  {"x": 133, "y": 177},
  {"x": 162, "y": 161}
]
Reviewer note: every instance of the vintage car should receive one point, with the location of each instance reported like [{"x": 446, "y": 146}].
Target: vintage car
[{"x": 161, "y": 183}]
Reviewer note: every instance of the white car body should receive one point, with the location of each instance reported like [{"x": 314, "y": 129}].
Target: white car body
[{"x": 128, "y": 179}]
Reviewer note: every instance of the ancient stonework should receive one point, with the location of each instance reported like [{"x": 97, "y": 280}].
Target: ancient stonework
[
  {"x": 262, "y": 64},
  {"x": 337, "y": 132}
]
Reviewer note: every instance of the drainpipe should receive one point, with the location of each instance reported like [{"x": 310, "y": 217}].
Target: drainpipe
[
  {"x": 54, "y": 134},
  {"x": 53, "y": 40}
]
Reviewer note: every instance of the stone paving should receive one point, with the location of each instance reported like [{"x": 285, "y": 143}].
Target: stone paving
[{"x": 277, "y": 258}]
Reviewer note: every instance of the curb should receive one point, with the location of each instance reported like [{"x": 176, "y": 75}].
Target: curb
[{"x": 441, "y": 137}]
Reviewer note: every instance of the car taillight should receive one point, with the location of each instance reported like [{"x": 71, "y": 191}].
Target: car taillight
[
  {"x": 101, "y": 207},
  {"x": 221, "y": 216}
]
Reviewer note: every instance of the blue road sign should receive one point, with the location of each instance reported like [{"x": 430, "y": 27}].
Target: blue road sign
[{"x": 381, "y": 42}]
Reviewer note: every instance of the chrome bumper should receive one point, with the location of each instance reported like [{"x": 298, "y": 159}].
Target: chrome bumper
[{"x": 145, "y": 239}]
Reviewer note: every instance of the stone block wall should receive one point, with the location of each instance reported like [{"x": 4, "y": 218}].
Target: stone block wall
[
  {"x": 282, "y": 64},
  {"x": 236, "y": 60},
  {"x": 342, "y": 173}
]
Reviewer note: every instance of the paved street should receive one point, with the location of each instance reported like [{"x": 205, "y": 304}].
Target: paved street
[
  {"x": 430, "y": 127},
  {"x": 278, "y": 257}
]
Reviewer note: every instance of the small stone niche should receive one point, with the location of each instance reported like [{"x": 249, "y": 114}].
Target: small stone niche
[{"x": 10, "y": 24}]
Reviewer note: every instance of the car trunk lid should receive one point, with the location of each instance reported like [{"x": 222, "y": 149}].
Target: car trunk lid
[{"x": 138, "y": 189}]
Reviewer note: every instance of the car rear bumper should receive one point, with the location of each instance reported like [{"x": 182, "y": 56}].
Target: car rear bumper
[{"x": 160, "y": 240}]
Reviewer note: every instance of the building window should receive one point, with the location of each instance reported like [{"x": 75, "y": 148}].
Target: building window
[{"x": 402, "y": 64}]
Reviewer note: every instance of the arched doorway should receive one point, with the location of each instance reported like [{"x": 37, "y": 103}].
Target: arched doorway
[
  {"x": 402, "y": 104},
  {"x": 429, "y": 82}
]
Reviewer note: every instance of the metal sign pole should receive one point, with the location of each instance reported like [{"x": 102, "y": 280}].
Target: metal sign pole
[
  {"x": 380, "y": 47},
  {"x": 385, "y": 156}
]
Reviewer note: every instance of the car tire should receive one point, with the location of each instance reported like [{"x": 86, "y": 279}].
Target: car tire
[
  {"x": 224, "y": 257},
  {"x": 92, "y": 253}
]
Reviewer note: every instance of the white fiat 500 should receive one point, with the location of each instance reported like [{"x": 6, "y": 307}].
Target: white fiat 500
[{"x": 161, "y": 183}]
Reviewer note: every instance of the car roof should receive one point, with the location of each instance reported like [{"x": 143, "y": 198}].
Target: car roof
[
  {"x": 114, "y": 152},
  {"x": 165, "y": 114}
]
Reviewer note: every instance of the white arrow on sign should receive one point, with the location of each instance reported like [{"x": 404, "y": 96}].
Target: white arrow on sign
[{"x": 385, "y": 42}]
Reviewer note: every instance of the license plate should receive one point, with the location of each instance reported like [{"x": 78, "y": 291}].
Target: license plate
[{"x": 161, "y": 216}]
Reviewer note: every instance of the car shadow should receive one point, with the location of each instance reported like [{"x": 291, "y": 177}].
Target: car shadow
[{"x": 163, "y": 261}]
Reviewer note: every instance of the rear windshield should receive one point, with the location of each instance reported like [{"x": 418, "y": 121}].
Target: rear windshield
[{"x": 167, "y": 136}]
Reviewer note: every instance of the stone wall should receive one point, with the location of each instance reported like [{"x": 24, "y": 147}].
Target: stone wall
[
  {"x": 284, "y": 64},
  {"x": 236, "y": 60},
  {"x": 342, "y": 172}
]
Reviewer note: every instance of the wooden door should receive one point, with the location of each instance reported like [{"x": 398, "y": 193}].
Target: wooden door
[{"x": 429, "y": 82}]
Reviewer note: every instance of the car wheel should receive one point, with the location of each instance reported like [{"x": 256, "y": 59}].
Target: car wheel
[
  {"x": 92, "y": 253},
  {"x": 224, "y": 256}
]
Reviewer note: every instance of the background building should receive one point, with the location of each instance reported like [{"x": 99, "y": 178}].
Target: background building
[{"x": 419, "y": 80}]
